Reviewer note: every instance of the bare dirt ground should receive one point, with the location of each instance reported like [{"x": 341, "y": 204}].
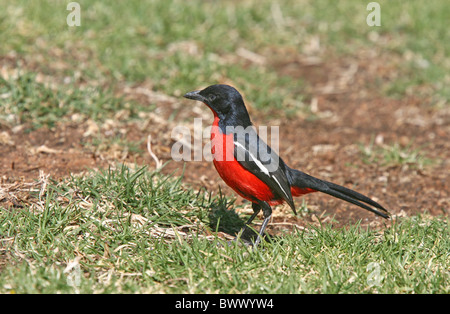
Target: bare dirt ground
[{"x": 348, "y": 110}]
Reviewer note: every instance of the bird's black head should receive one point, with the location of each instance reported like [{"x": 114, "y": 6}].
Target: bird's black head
[{"x": 226, "y": 102}]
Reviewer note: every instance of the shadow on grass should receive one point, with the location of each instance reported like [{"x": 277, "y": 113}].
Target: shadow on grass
[{"x": 223, "y": 218}]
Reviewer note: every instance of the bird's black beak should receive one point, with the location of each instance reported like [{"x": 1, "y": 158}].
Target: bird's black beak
[{"x": 195, "y": 95}]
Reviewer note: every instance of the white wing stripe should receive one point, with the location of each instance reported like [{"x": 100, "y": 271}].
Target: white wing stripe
[
  {"x": 287, "y": 196},
  {"x": 263, "y": 169},
  {"x": 257, "y": 162}
]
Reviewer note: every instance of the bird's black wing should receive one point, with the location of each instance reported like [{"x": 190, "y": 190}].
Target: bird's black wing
[{"x": 258, "y": 158}]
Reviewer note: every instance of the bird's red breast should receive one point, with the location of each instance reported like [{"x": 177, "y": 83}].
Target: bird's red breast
[{"x": 230, "y": 170}]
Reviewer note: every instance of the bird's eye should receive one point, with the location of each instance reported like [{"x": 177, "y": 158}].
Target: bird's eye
[{"x": 212, "y": 97}]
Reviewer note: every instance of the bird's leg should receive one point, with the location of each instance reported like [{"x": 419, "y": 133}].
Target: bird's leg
[
  {"x": 267, "y": 211},
  {"x": 256, "y": 208}
]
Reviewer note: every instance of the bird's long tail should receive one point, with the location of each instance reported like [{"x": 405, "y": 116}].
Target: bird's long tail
[{"x": 304, "y": 183}]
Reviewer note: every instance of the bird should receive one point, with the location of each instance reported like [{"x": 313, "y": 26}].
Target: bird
[{"x": 253, "y": 169}]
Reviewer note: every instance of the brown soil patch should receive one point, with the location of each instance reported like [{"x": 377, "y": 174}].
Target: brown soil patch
[{"x": 57, "y": 152}]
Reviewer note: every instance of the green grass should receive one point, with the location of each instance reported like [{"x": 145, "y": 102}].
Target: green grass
[
  {"x": 25, "y": 100},
  {"x": 394, "y": 155},
  {"x": 137, "y": 231},
  {"x": 146, "y": 41}
]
